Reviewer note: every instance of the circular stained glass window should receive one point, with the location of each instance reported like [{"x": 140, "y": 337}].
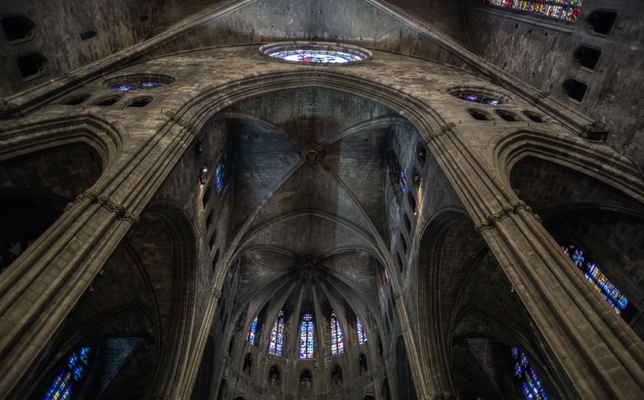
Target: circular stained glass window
[
  {"x": 482, "y": 95},
  {"x": 315, "y": 53},
  {"x": 137, "y": 82},
  {"x": 478, "y": 98}
]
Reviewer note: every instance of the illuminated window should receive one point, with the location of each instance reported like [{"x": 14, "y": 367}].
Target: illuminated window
[
  {"x": 277, "y": 334},
  {"x": 223, "y": 171},
  {"x": 61, "y": 389},
  {"x": 362, "y": 337},
  {"x": 396, "y": 175},
  {"x": 306, "y": 336},
  {"x": 567, "y": 10},
  {"x": 250, "y": 336},
  {"x": 337, "y": 338},
  {"x": 596, "y": 277},
  {"x": 530, "y": 384}
]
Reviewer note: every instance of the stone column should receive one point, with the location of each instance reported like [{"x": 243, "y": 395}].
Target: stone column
[{"x": 601, "y": 355}]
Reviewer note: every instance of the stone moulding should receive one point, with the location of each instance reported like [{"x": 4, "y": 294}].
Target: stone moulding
[{"x": 106, "y": 203}]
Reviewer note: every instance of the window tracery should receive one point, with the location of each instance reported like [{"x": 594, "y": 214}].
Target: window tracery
[
  {"x": 530, "y": 384},
  {"x": 61, "y": 389},
  {"x": 277, "y": 333},
  {"x": 250, "y": 336},
  {"x": 596, "y": 277},
  {"x": 362, "y": 337},
  {"x": 567, "y": 10},
  {"x": 306, "y": 336},
  {"x": 223, "y": 172},
  {"x": 337, "y": 337}
]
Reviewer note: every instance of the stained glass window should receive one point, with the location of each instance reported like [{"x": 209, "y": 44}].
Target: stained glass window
[
  {"x": 478, "y": 98},
  {"x": 597, "y": 278},
  {"x": 137, "y": 86},
  {"x": 337, "y": 337},
  {"x": 306, "y": 336},
  {"x": 530, "y": 384},
  {"x": 316, "y": 56},
  {"x": 250, "y": 336},
  {"x": 61, "y": 388},
  {"x": 362, "y": 337},
  {"x": 277, "y": 333},
  {"x": 396, "y": 174},
  {"x": 223, "y": 172},
  {"x": 561, "y": 9}
]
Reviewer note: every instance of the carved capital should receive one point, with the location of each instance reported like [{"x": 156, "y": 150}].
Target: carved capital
[{"x": 106, "y": 203}]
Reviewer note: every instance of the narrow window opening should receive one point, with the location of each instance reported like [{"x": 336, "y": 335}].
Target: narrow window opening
[
  {"x": 600, "y": 282},
  {"x": 407, "y": 223},
  {"x": 479, "y": 115},
  {"x": 206, "y": 197},
  {"x": 210, "y": 218},
  {"x": 601, "y": 21},
  {"x": 215, "y": 260},
  {"x": 337, "y": 337},
  {"x": 400, "y": 262},
  {"x": 31, "y": 65},
  {"x": 534, "y": 117},
  {"x": 421, "y": 154},
  {"x": 277, "y": 335},
  {"x": 87, "y": 35},
  {"x": 248, "y": 364},
  {"x": 416, "y": 178},
  {"x": 362, "y": 337},
  {"x": 143, "y": 18},
  {"x": 18, "y": 28},
  {"x": 508, "y": 116},
  {"x": 76, "y": 100},
  {"x": 363, "y": 363},
  {"x": 274, "y": 376},
  {"x": 587, "y": 57},
  {"x": 336, "y": 375},
  {"x": 412, "y": 202},
  {"x": 575, "y": 89},
  {"x": 252, "y": 332},
  {"x": 213, "y": 237},
  {"x": 139, "y": 102},
  {"x": 306, "y": 336},
  {"x": 403, "y": 244},
  {"x": 306, "y": 378}
]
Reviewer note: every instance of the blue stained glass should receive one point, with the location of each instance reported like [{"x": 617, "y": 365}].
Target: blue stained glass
[
  {"x": 250, "y": 336},
  {"x": 277, "y": 333},
  {"x": 530, "y": 384},
  {"x": 337, "y": 339},
  {"x": 316, "y": 56},
  {"x": 61, "y": 388},
  {"x": 597, "y": 278},
  {"x": 222, "y": 172},
  {"x": 306, "y": 336},
  {"x": 361, "y": 335},
  {"x": 137, "y": 86},
  {"x": 477, "y": 98}
]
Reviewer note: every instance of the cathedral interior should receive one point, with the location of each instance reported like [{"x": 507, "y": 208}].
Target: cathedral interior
[{"x": 432, "y": 200}]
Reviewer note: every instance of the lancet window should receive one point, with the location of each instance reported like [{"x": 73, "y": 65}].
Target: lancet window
[
  {"x": 277, "y": 335},
  {"x": 337, "y": 337},
  {"x": 596, "y": 277},
  {"x": 250, "y": 336},
  {"x": 567, "y": 10},
  {"x": 530, "y": 384},
  {"x": 362, "y": 337},
  {"x": 396, "y": 174},
  {"x": 223, "y": 171},
  {"x": 306, "y": 336},
  {"x": 74, "y": 372}
]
